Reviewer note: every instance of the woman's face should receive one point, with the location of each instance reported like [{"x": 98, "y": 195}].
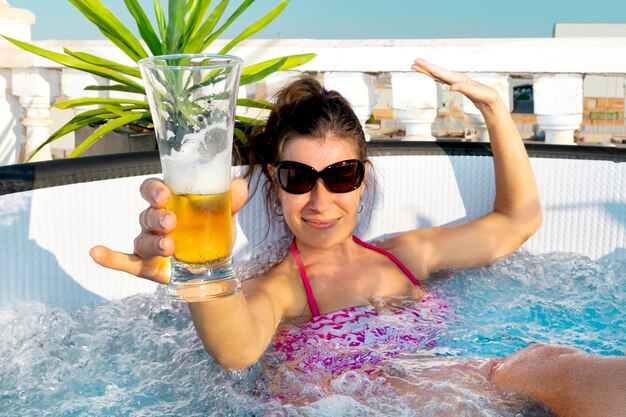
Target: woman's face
[{"x": 320, "y": 218}]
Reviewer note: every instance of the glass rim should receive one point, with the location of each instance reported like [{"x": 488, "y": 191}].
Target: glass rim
[{"x": 150, "y": 62}]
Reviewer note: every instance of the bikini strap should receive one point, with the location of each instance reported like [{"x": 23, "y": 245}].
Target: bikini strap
[
  {"x": 305, "y": 279},
  {"x": 389, "y": 255}
]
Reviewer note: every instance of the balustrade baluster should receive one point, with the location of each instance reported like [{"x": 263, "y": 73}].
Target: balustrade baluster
[
  {"x": 414, "y": 102},
  {"x": 35, "y": 88},
  {"x": 558, "y": 106},
  {"x": 357, "y": 87}
]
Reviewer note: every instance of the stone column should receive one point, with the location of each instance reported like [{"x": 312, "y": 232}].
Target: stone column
[
  {"x": 358, "y": 88},
  {"x": 475, "y": 120},
  {"x": 559, "y": 106},
  {"x": 34, "y": 89},
  {"x": 415, "y": 102},
  {"x": 14, "y": 23},
  {"x": 8, "y": 141}
]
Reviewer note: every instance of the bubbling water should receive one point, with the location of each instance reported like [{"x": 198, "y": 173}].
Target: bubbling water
[{"x": 141, "y": 356}]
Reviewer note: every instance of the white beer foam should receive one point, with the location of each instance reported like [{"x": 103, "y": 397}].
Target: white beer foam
[{"x": 190, "y": 171}]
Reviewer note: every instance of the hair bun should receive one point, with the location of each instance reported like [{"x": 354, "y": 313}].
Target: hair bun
[{"x": 299, "y": 91}]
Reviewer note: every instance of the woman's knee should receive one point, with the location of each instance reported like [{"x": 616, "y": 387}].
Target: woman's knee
[
  {"x": 547, "y": 351},
  {"x": 534, "y": 368}
]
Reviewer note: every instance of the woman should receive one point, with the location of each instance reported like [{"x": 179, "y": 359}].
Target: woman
[{"x": 313, "y": 154}]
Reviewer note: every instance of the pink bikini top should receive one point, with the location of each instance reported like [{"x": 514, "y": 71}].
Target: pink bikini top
[
  {"x": 307, "y": 285},
  {"x": 358, "y": 337}
]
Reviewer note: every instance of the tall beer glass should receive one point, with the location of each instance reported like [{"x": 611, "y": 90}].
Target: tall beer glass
[{"x": 192, "y": 100}]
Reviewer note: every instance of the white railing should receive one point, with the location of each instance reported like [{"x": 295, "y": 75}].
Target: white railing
[{"x": 29, "y": 84}]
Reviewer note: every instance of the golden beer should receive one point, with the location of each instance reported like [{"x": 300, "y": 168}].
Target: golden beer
[{"x": 203, "y": 232}]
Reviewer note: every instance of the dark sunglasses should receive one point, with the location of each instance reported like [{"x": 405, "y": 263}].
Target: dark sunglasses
[{"x": 340, "y": 177}]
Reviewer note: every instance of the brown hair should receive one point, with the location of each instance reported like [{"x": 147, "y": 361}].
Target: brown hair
[{"x": 304, "y": 109}]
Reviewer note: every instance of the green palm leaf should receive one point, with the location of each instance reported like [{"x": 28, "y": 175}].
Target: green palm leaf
[
  {"x": 257, "y": 72},
  {"x": 110, "y": 126},
  {"x": 101, "y": 62},
  {"x": 116, "y": 110},
  {"x": 102, "y": 110},
  {"x": 241, "y": 136},
  {"x": 196, "y": 10},
  {"x": 256, "y": 104},
  {"x": 81, "y": 120},
  {"x": 76, "y": 124},
  {"x": 257, "y": 26},
  {"x": 250, "y": 120},
  {"x": 175, "y": 26},
  {"x": 242, "y": 8},
  {"x": 114, "y": 87},
  {"x": 72, "y": 62},
  {"x": 89, "y": 114},
  {"x": 111, "y": 27},
  {"x": 103, "y": 113},
  {"x": 160, "y": 17},
  {"x": 263, "y": 71},
  {"x": 186, "y": 29},
  {"x": 144, "y": 26},
  {"x": 197, "y": 42},
  {"x": 89, "y": 101}
]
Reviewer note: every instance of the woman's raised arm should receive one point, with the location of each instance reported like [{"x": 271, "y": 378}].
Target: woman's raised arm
[{"x": 516, "y": 211}]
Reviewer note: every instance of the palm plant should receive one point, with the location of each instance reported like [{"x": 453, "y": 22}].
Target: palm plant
[{"x": 189, "y": 27}]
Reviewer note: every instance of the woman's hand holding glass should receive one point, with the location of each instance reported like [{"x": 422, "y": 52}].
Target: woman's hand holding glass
[{"x": 154, "y": 245}]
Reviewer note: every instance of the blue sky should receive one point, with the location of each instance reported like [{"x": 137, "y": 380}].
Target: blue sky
[{"x": 362, "y": 19}]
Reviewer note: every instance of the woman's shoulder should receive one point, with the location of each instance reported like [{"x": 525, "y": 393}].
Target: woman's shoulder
[
  {"x": 410, "y": 248},
  {"x": 399, "y": 240}
]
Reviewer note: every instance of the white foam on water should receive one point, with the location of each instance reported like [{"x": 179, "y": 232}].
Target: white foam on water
[{"x": 93, "y": 361}]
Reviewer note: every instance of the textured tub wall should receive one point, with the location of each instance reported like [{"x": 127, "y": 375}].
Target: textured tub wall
[{"x": 46, "y": 234}]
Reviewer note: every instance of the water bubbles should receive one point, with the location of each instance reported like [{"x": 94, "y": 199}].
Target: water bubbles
[
  {"x": 141, "y": 356},
  {"x": 524, "y": 298}
]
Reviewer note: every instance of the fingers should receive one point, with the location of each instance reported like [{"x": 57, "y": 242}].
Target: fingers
[
  {"x": 438, "y": 73},
  {"x": 155, "y": 192},
  {"x": 154, "y": 245},
  {"x": 154, "y": 239},
  {"x": 148, "y": 245},
  {"x": 156, "y": 222},
  {"x": 456, "y": 80},
  {"x": 159, "y": 221},
  {"x": 478, "y": 93},
  {"x": 155, "y": 269}
]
